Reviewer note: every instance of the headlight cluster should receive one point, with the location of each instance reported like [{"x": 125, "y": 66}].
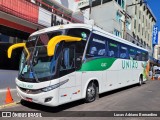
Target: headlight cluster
[{"x": 49, "y": 88}]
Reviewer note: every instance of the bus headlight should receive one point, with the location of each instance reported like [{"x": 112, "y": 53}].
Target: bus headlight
[{"x": 49, "y": 88}]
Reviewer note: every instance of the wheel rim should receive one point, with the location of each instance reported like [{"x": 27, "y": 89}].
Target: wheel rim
[{"x": 91, "y": 92}]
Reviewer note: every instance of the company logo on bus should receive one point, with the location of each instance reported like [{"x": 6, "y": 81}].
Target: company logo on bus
[
  {"x": 25, "y": 85},
  {"x": 129, "y": 64}
]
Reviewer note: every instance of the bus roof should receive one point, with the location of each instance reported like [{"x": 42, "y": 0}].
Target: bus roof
[{"x": 89, "y": 27}]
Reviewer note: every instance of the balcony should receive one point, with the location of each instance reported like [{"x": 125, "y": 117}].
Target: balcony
[
  {"x": 21, "y": 9},
  {"x": 30, "y": 11}
]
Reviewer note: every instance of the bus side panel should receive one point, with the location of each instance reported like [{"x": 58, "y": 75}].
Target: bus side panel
[
  {"x": 71, "y": 90},
  {"x": 89, "y": 76}
]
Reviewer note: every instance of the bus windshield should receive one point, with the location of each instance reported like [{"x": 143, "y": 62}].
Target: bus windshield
[{"x": 39, "y": 64}]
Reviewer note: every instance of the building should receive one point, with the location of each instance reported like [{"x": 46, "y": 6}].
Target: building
[
  {"x": 125, "y": 18},
  {"x": 142, "y": 23},
  {"x": 17, "y": 22},
  {"x": 20, "y": 18},
  {"x": 108, "y": 15}
]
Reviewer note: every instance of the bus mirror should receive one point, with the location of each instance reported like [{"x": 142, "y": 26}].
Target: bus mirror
[
  {"x": 55, "y": 40},
  {"x": 18, "y": 45}
]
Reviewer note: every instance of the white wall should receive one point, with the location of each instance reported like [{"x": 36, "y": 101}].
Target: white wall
[{"x": 70, "y": 4}]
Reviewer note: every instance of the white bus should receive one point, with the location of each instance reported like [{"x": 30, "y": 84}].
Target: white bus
[{"x": 76, "y": 61}]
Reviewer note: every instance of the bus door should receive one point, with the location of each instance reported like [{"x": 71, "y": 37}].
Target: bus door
[{"x": 67, "y": 73}]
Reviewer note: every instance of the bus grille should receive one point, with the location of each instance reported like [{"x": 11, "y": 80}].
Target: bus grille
[{"x": 29, "y": 91}]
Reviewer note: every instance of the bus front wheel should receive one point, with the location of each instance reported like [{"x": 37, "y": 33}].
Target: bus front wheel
[{"x": 91, "y": 92}]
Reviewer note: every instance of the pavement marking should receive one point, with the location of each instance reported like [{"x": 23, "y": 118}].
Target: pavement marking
[
  {"x": 4, "y": 90},
  {"x": 9, "y": 105}
]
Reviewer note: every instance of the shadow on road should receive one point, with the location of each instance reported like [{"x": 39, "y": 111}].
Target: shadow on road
[
  {"x": 118, "y": 90},
  {"x": 68, "y": 105}
]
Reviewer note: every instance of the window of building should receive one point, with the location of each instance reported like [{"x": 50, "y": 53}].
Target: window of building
[
  {"x": 96, "y": 3},
  {"x": 139, "y": 14},
  {"x": 142, "y": 30},
  {"x": 135, "y": 24},
  {"x": 135, "y": 9},
  {"x": 118, "y": 17},
  {"x": 117, "y": 33},
  {"x": 105, "y": 1},
  {"x": 139, "y": 28},
  {"x": 121, "y": 3},
  {"x": 128, "y": 25},
  {"x": 146, "y": 22},
  {"x": 112, "y": 49}
]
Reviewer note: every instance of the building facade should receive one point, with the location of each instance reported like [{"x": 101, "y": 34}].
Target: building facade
[
  {"x": 20, "y": 18},
  {"x": 125, "y": 18},
  {"x": 142, "y": 23}
]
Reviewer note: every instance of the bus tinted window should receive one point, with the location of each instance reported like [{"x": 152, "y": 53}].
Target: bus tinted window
[
  {"x": 96, "y": 46},
  {"x": 123, "y": 52},
  {"x": 79, "y": 32},
  {"x": 132, "y": 53},
  {"x": 144, "y": 56},
  {"x": 138, "y": 55},
  {"x": 112, "y": 49}
]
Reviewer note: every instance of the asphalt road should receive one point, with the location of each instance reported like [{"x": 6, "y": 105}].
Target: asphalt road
[
  {"x": 7, "y": 79},
  {"x": 132, "y": 98}
]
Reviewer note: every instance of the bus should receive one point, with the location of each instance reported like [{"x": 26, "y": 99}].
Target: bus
[{"x": 66, "y": 63}]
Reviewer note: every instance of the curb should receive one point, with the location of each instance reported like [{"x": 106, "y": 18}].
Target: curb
[{"x": 9, "y": 105}]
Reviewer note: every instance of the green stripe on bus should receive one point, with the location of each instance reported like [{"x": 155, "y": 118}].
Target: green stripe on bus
[{"x": 98, "y": 64}]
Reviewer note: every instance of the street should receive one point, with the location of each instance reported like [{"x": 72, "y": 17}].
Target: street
[{"x": 132, "y": 98}]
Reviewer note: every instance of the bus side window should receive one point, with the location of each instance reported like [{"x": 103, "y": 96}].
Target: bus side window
[
  {"x": 123, "y": 52},
  {"x": 144, "y": 56},
  {"x": 112, "y": 49},
  {"x": 132, "y": 54},
  {"x": 139, "y": 55},
  {"x": 97, "y": 46}
]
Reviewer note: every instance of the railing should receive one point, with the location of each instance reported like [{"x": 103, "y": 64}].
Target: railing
[
  {"x": 21, "y": 9},
  {"x": 29, "y": 11}
]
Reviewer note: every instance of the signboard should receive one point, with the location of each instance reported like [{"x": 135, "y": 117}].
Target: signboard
[
  {"x": 48, "y": 19},
  {"x": 155, "y": 35},
  {"x": 83, "y": 3},
  {"x": 44, "y": 17},
  {"x": 56, "y": 20}
]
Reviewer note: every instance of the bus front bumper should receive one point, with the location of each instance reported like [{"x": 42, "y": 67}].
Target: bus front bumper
[{"x": 49, "y": 98}]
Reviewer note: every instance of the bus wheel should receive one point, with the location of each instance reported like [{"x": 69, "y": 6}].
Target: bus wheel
[
  {"x": 140, "y": 81},
  {"x": 91, "y": 92}
]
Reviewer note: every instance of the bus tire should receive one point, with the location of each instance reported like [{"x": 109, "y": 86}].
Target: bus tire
[
  {"x": 91, "y": 92},
  {"x": 140, "y": 81}
]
